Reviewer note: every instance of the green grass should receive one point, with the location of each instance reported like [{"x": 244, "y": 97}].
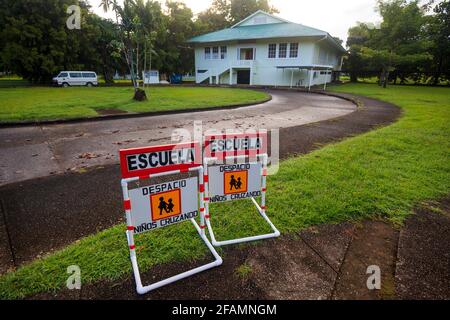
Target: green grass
[
  {"x": 40, "y": 103},
  {"x": 383, "y": 173},
  {"x": 243, "y": 271}
]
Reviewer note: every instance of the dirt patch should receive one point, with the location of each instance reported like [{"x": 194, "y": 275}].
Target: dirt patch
[
  {"x": 374, "y": 244},
  {"x": 109, "y": 112}
]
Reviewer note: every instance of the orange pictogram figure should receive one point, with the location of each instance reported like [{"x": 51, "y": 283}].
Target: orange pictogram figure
[
  {"x": 162, "y": 206},
  {"x": 235, "y": 182},
  {"x": 165, "y": 204},
  {"x": 170, "y": 206}
]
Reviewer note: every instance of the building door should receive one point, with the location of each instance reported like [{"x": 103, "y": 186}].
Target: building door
[{"x": 243, "y": 77}]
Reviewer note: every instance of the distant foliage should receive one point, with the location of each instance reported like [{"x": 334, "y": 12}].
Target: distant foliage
[{"x": 411, "y": 43}]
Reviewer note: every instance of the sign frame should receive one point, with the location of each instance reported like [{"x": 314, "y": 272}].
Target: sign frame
[
  {"x": 258, "y": 155},
  {"x": 160, "y": 172}
]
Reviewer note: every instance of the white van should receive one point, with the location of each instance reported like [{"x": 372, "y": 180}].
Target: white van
[{"x": 76, "y": 78}]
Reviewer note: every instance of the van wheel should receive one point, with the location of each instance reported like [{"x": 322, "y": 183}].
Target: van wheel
[
  {"x": 65, "y": 85},
  {"x": 89, "y": 84}
]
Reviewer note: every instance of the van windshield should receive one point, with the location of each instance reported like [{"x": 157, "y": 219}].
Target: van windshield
[{"x": 62, "y": 75}]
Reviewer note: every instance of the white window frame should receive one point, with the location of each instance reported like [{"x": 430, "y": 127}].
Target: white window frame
[
  {"x": 208, "y": 55},
  {"x": 223, "y": 54},
  {"x": 274, "y": 53},
  {"x": 215, "y": 55},
  {"x": 290, "y": 50},
  {"x": 286, "y": 52}
]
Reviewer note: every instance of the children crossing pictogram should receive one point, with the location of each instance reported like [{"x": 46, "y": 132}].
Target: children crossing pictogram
[
  {"x": 237, "y": 182},
  {"x": 165, "y": 205}
]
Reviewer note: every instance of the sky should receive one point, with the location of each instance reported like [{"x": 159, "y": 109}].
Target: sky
[{"x": 333, "y": 16}]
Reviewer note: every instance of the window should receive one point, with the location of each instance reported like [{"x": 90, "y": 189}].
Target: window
[
  {"x": 75, "y": 75},
  {"x": 246, "y": 54},
  {"x": 207, "y": 53},
  {"x": 215, "y": 51},
  {"x": 282, "y": 53},
  {"x": 272, "y": 51},
  {"x": 293, "y": 50},
  {"x": 223, "y": 52},
  {"x": 89, "y": 75}
]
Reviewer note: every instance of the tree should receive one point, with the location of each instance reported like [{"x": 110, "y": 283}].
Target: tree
[
  {"x": 35, "y": 41},
  {"x": 225, "y": 13},
  {"x": 240, "y": 9},
  {"x": 129, "y": 25},
  {"x": 438, "y": 33},
  {"x": 355, "y": 63},
  {"x": 397, "y": 48},
  {"x": 180, "y": 28}
]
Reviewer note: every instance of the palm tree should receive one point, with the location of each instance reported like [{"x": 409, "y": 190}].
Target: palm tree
[{"x": 125, "y": 20}]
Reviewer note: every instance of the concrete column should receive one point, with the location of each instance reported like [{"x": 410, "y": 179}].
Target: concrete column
[
  {"x": 231, "y": 76},
  {"x": 292, "y": 78}
]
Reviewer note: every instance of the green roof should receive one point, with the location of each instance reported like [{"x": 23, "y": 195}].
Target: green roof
[{"x": 262, "y": 31}]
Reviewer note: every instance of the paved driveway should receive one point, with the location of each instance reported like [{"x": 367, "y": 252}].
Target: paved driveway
[{"x": 40, "y": 151}]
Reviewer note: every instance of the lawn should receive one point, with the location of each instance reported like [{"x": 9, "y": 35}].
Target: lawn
[
  {"x": 380, "y": 174},
  {"x": 40, "y": 103}
]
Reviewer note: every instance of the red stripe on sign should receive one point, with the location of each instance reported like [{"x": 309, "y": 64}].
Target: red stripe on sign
[
  {"x": 130, "y": 228},
  {"x": 263, "y": 189},
  {"x": 127, "y": 204},
  {"x": 207, "y": 216},
  {"x": 264, "y": 172},
  {"x": 202, "y": 227},
  {"x": 206, "y": 199},
  {"x": 184, "y": 170},
  {"x": 144, "y": 177},
  {"x": 202, "y": 209},
  {"x": 263, "y": 207},
  {"x": 206, "y": 178},
  {"x": 202, "y": 188},
  {"x": 132, "y": 247}
]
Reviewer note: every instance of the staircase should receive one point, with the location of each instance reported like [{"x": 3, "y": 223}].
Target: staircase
[{"x": 202, "y": 77}]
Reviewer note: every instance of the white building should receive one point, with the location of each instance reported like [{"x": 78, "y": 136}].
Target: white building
[{"x": 266, "y": 50}]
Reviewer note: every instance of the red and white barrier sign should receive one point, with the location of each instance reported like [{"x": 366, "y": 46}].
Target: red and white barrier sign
[
  {"x": 163, "y": 204},
  {"x": 230, "y": 182}
]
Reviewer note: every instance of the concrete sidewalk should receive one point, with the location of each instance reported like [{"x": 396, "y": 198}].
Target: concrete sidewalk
[{"x": 325, "y": 262}]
